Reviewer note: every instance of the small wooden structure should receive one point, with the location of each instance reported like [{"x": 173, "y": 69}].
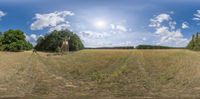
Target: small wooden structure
[{"x": 65, "y": 45}]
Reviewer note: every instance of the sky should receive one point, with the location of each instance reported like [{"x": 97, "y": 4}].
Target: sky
[{"x": 106, "y": 23}]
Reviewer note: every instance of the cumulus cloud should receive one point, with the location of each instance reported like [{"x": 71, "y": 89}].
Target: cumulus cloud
[
  {"x": 114, "y": 35},
  {"x": 2, "y": 14},
  {"x": 168, "y": 37},
  {"x": 59, "y": 27},
  {"x": 185, "y": 25},
  {"x": 93, "y": 39},
  {"x": 166, "y": 31},
  {"x": 157, "y": 20},
  {"x": 53, "y": 21}
]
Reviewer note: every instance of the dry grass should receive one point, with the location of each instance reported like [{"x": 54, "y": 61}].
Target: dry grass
[{"x": 101, "y": 74}]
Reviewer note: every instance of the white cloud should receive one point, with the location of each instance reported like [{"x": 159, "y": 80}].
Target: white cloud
[
  {"x": 166, "y": 31},
  {"x": 93, "y": 35},
  {"x": 2, "y": 14},
  {"x": 157, "y": 20},
  {"x": 113, "y": 35},
  {"x": 59, "y": 27},
  {"x": 32, "y": 38},
  {"x": 119, "y": 28},
  {"x": 53, "y": 21},
  {"x": 185, "y": 25},
  {"x": 197, "y": 16},
  {"x": 172, "y": 25},
  {"x": 105, "y": 38},
  {"x": 168, "y": 37},
  {"x": 126, "y": 43}
]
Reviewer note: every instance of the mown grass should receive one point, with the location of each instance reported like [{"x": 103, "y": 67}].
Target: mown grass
[{"x": 101, "y": 74}]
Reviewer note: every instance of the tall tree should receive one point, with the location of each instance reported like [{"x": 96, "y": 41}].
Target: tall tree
[
  {"x": 52, "y": 41},
  {"x": 194, "y": 44},
  {"x": 14, "y": 40}
]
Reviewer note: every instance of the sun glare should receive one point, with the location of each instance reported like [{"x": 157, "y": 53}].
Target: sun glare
[{"x": 101, "y": 24}]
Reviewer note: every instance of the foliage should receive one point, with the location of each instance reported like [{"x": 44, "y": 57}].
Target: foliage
[
  {"x": 52, "y": 41},
  {"x": 14, "y": 40},
  {"x": 120, "y": 47},
  {"x": 194, "y": 44},
  {"x": 153, "y": 47}
]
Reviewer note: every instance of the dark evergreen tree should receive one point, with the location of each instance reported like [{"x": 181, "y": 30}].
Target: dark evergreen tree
[{"x": 194, "y": 44}]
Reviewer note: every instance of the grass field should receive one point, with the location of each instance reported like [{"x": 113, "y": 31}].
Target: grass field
[{"x": 100, "y": 74}]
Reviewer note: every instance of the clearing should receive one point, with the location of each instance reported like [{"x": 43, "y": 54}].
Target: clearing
[{"x": 100, "y": 74}]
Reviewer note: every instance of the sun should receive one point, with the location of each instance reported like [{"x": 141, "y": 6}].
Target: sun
[{"x": 100, "y": 24}]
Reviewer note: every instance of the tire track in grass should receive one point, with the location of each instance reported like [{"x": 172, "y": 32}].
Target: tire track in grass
[
  {"x": 140, "y": 61},
  {"x": 119, "y": 71},
  {"x": 147, "y": 81},
  {"x": 56, "y": 85},
  {"x": 138, "y": 58},
  {"x": 113, "y": 75},
  {"x": 191, "y": 81},
  {"x": 18, "y": 82}
]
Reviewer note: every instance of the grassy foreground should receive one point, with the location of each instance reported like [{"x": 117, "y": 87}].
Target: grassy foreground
[{"x": 100, "y": 74}]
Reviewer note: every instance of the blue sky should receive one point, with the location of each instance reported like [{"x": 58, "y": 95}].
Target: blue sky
[{"x": 106, "y": 22}]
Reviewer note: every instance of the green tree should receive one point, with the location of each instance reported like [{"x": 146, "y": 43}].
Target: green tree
[
  {"x": 191, "y": 44},
  {"x": 194, "y": 44},
  {"x": 11, "y": 36},
  {"x": 14, "y": 40},
  {"x": 53, "y": 40},
  {"x": 75, "y": 43},
  {"x": 1, "y": 38}
]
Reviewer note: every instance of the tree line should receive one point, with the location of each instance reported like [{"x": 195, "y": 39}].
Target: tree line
[
  {"x": 119, "y": 47},
  {"x": 157, "y": 47},
  {"x": 15, "y": 41},
  {"x": 194, "y": 44},
  {"x": 139, "y": 47}
]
